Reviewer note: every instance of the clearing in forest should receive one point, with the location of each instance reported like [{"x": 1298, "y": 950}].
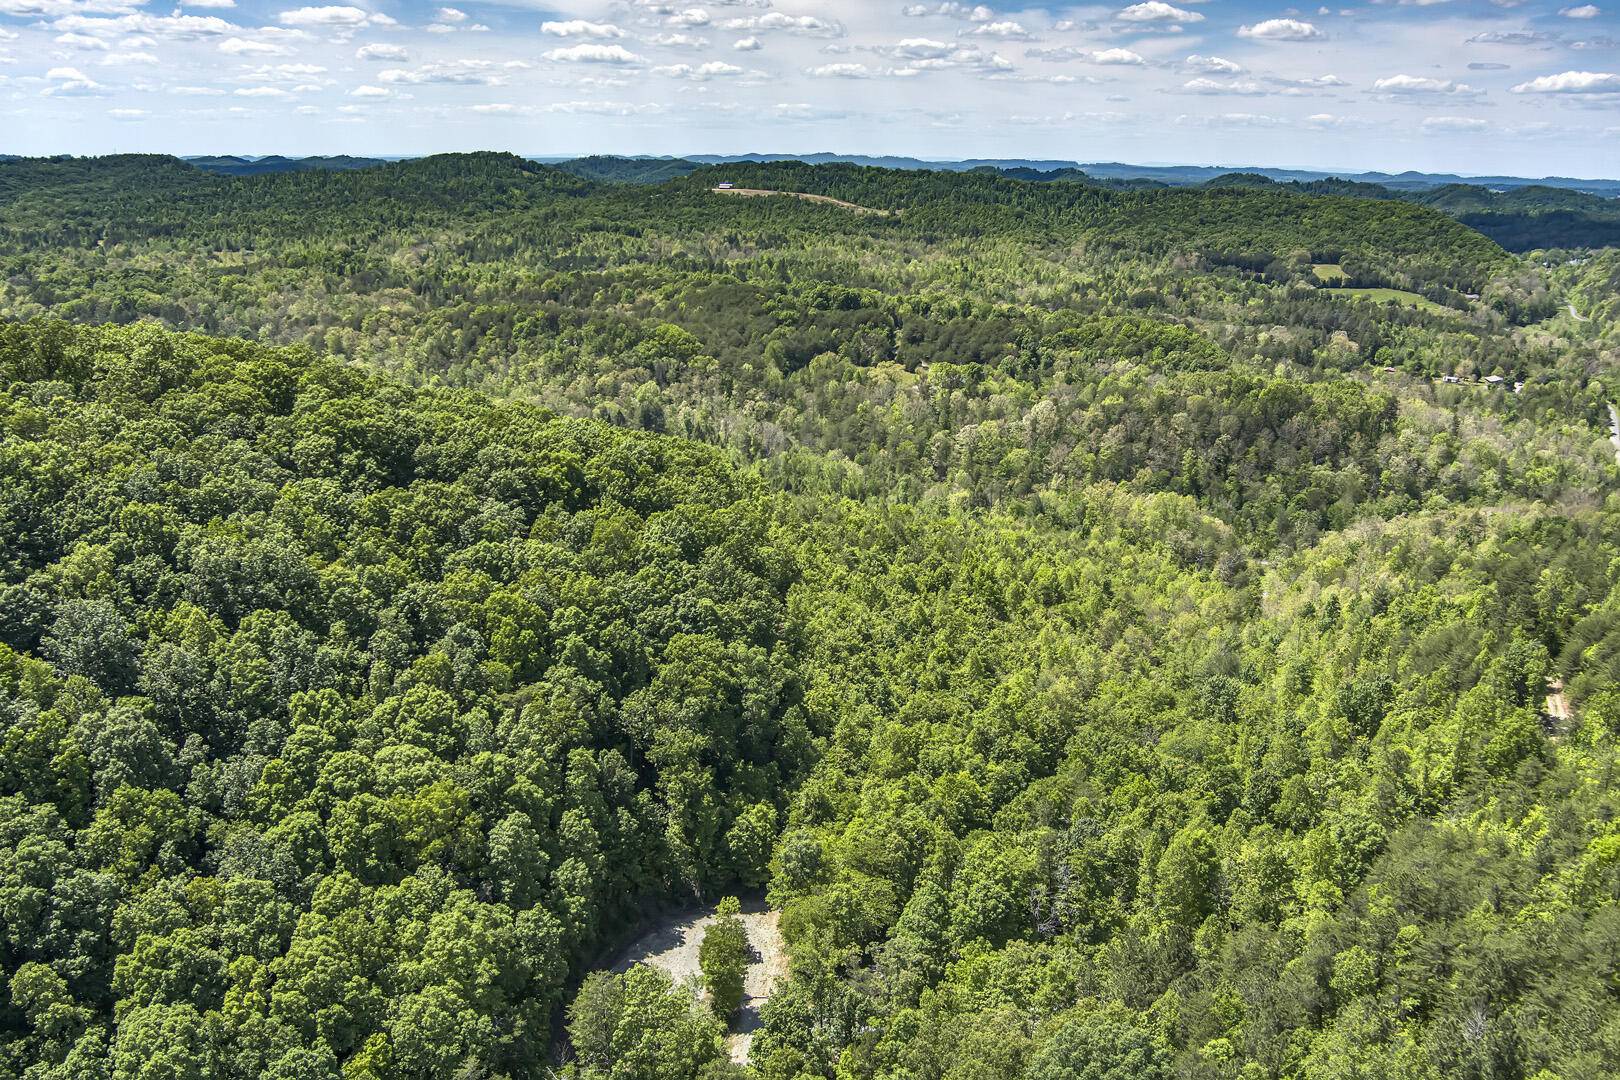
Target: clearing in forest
[
  {"x": 1558, "y": 716},
  {"x": 756, "y": 192},
  {"x": 1329, "y": 273},
  {"x": 1331, "y": 276},
  {"x": 671, "y": 943},
  {"x": 1400, "y": 296}
]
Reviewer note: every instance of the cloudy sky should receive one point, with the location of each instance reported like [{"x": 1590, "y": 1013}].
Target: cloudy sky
[{"x": 1525, "y": 87}]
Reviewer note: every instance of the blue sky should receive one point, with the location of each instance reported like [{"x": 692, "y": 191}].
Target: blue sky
[{"x": 1526, "y": 88}]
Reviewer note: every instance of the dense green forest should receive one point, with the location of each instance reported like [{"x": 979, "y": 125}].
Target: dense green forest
[
  {"x": 1520, "y": 218},
  {"x": 629, "y": 170},
  {"x": 236, "y": 166},
  {"x": 1526, "y": 218},
  {"x": 1112, "y": 653}
]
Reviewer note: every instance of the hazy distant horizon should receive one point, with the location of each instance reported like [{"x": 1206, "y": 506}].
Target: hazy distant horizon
[
  {"x": 1456, "y": 86},
  {"x": 1239, "y": 166}
]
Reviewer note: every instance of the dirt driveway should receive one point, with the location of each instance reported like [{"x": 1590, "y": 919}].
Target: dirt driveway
[{"x": 671, "y": 945}]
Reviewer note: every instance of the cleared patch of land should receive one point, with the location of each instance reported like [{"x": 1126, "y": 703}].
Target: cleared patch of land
[
  {"x": 1400, "y": 296},
  {"x": 671, "y": 944},
  {"x": 756, "y": 192},
  {"x": 1332, "y": 277},
  {"x": 1330, "y": 273}
]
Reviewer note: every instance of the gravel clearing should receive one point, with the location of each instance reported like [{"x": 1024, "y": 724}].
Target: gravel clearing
[{"x": 671, "y": 945}]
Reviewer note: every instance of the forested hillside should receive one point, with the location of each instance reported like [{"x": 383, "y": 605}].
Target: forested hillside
[
  {"x": 1224, "y": 224},
  {"x": 1521, "y": 218},
  {"x": 1218, "y": 222},
  {"x": 1110, "y": 651},
  {"x": 274, "y": 163},
  {"x": 629, "y": 170},
  {"x": 342, "y": 721}
]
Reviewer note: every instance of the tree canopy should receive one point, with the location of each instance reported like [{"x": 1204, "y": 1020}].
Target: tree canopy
[{"x": 1111, "y": 651}]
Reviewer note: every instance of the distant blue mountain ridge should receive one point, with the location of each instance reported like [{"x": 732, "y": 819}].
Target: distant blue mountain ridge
[{"x": 1171, "y": 175}]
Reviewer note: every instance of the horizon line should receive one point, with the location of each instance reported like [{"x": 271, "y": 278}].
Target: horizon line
[{"x": 1325, "y": 171}]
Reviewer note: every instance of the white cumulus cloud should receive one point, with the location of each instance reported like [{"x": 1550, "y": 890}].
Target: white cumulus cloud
[
  {"x": 970, "y": 12},
  {"x": 689, "y": 17},
  {"x": 714, "y": 69},
  {"x": 243, "y": 47},
  {"x": 82, "y": 41},
  {"x": 1421, "y": 85},
  {"x": 1332, "y": 122},
  {"x": 839, "y": 71},
  {"x": 340, "y": 17},
  {"x": 1157, "y": 11},
  {"x": 1281, "y": 30},
  {"x": 1215, "y": 65},
  {"x": 1005, "y": 30},
  {"x": 581, "y": 28},
  {"x": 808, "y": 25},
  {"x": 71, "y": 82},
  {"x": 454, "y": 73},
  {"x": 1572, "y": 82},
  {"x": 172, "y": 27},
  {"x": 594, "y": 54},
  {"x": 1205, "y": 85}
]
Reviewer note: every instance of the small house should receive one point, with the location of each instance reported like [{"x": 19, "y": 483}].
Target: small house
[
  {"x": 1494, "y": 380},
  {"x": 725, "y": 186}
]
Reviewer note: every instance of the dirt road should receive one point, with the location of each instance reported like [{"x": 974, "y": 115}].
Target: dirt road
[
  {"x": 1559, "y": 715},
  {"x": 1557, "y": 703},
  {"x": 671, "y": 945},
  {"x": 828, "y": 199},
  {"x": 1577, "y": 316}
]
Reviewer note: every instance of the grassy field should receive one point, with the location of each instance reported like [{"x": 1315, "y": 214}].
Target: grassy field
[
  {"x": 1328, "y": 273},
  {"x": 1400, "y": 296},
  {"x": 1332, "y": 275}
]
